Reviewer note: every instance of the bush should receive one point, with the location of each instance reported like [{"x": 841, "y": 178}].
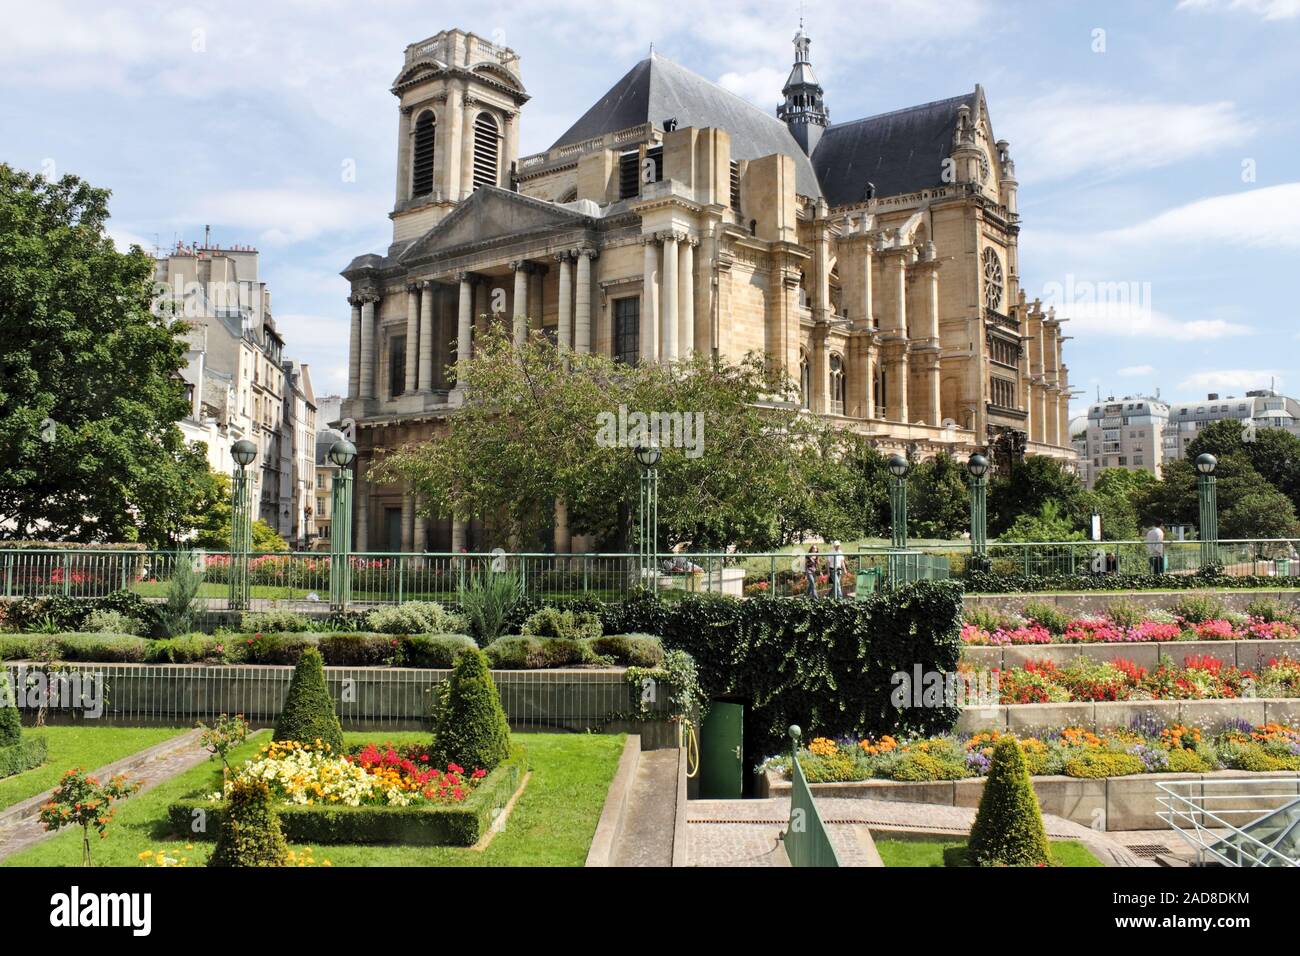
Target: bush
[
  {"x": 179, "y": 609},
  {"x": 27, "y": 754},
  {"x": 250, "y": 834},
  {"x": 1198, "y": 608},
  {"x": 1184, "y": 760},
  {"x": 1048, "y": 615},
  {"x": 532, "y": 653},
  {"x": 275, "y": 648},
  {"x": 308, "y": 713},
  {"x": 434, "y": 650},
  {"x": 11, "y": 726},
  {"x": 415, "y": 617},
  {"x": 191, "y": 649},
  {"x": 289, "y": 622},
  {"x": 991, "y": 582},
  {"x": 97, "y": 648},
  {"x": 1104, "y": 763},
  {"x": 487, "y": 602},
  {"x": 1008, "y": 828},
  {"x": 565, "y": 624},
  {"x": 69, "y": 614},
  {"x": 358, "y": 650},
  {"x": 630, "y": 650},
  {"x": 105, "y": 621},
  {"x": 1126, "y": 614},
  {"x": 921, "y": 766},
  {"x": 469, "y": 725}
]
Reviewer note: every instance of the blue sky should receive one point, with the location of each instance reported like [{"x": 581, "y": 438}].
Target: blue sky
[{"x": 1159, "y": 159}]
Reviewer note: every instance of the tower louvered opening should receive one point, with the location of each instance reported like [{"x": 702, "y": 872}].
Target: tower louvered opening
[
  {"x": 486, "y": 151},
  {"x": 422, "y": 161}
]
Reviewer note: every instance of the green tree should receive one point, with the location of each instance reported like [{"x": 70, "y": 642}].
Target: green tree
[
  {"x": 1008, "y": 828},
  {"x": 308, "y": 714},
  {"x": 1260, "y": 514},
  {"x": 1117, "y": 495},
  {"x": 211, "y": 514},
  {"x": 1049, "y": 524},
  {"x": 939, "y": 498},
  {"x": 250, "y": 833},
  {"x": 1175, "y": 500},
  {"x": 1027, "y": 485},
  {"x": 470, "y": 726},
  {"x": 1273, "y": 452},
  {"x": 80, "y": 345},
  {"x": 266, "y": 538}
]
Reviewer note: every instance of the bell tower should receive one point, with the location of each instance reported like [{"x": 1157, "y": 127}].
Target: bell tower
[
  {"x": 804, "y": 109},
  {"x": 459, "y": 102}
]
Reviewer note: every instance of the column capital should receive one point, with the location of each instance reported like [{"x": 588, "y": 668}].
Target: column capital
[
  {"x": 566, "y": 255},
  {"x": 427, "y": 284},
  {"x": 587, "y": 253},
  {"x": 371, "y": 298},
  {"x": 518, "y": 265},
  {"x": 413, "y": 287}
]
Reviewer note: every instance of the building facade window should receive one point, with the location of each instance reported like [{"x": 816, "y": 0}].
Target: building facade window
[
  {"x": 422, "y": 159},
  {"x": 486, "y": 151},
  {"x": 397, "y": 366},
  {"x": 627, "y": 330},
  {"x": 838, "y": 385}
]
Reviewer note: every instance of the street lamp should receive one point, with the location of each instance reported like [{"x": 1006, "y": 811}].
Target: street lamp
[
  {"x": 1205, "y": 465},
  {"x": 342, "y": 454},
  {"x": 647, "y": 456},
  {"x": 898, "y": 469},
  {"x": 241, "y": 523},
  {"x": 978, "y": 467}
]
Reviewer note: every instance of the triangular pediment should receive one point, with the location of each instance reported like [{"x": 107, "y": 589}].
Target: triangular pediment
[{"x": 491, "y": 214}]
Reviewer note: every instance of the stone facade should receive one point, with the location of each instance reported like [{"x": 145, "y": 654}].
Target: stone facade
[{"x": 675, "y": 217}]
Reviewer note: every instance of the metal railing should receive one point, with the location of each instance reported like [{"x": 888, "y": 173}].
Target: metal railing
[
  {"x": 1248, "y": 822},
  {"x": 807, "y": 841},
  {"x": 302, "y": 580}
]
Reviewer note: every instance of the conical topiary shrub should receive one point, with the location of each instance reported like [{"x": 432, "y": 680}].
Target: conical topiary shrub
[
  {"x": 250, "y": 834},
  {"x": 1008, "y": 828},
  {"x": 469, "y": 726},
  {"x": 308, "y": 714},
  {"x": 11, "y": 727}
]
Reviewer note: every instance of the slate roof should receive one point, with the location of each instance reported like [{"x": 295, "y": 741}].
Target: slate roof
[
  {"x": 657, "y": 89},
  {"x": 899, "y": 152}
]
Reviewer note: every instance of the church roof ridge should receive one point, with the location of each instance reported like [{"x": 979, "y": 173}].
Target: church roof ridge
[{"x": 909, "y": 109}]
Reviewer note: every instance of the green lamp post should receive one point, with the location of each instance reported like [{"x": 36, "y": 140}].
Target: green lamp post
[
  {"x": 898, "y": 469},
  {"x": 1205, "y": 465},
  {"x": 241, "y": 524},
  {"x": 647, "y": 457},
  {"x": 341, "y": 454},
  {"x": 978, "y": 467}
]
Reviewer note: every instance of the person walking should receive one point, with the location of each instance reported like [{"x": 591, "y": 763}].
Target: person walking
[
  {"x": 1156, "y": 549},
  {"x": 811, "y": 565},
  {"x": 835, "y": 560}
]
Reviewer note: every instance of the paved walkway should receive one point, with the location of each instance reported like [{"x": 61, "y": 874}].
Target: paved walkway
[
  {"x": 647, "y": 837},
  {"x": 746, "y": 832},
  {"x": 20, "y": 828}
]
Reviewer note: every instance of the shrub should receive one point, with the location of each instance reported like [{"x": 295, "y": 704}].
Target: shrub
[
  {"x": 469, "y": 725},
  {"x": 487, "y": 602},
  {"x": 358, "y": 650},
  {"x": 105, "y": 621},
  {"x": 532, "y": 653},
  {"x": 308, "y": 713},
  {"x": 566, "y": 624},
  {"x": 190, "y": 649},
  {"x": 434, "y": 650},
  {"x": 630, "y": 650},
  {"x": 415, "y": 617},
  {"x": 276, "y": 648},
  {"x": 27, "y": 754},
  {"x": 282, "y": 621},
  {"x": 1104, "y": 763},
  {"x": 1126, "y": 614},
  {"x": 250, "y": 833},
  {"x": 11, "y": 726},
  {"x": 1198, "y": 608},
  {"x": 1184, "y": 760},
  {"x": 1048, "y": 615},
  {"x": 922, "y": 766},
  {"x": 984, "y": 618},
  {"x": 1008, "y": 828}
]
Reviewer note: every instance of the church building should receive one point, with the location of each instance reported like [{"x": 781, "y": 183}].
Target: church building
[{"x": 873, "y": 260}]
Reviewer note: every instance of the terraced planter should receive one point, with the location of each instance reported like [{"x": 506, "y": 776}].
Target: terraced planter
[
  {"x": 1243, "y": 654},
  {"x": 1117, "y": 715}
]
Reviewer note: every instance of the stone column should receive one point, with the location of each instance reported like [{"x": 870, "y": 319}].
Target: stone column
[
  {"x": 354, "y": 349},
  {"x": 428, "y": 345},
  {"x": 564, "y": 305},
  {"x": 519, "y": 305},
  {"x": 361, "y": 497},
  {"x": 582, "y": 302},
  {"x": 819, "y": 368},
  {"x": 368, "y": 345},
  {"x": 412, "y": 336},
  {"x": 463, "y": 329},
  {"x": 408, "y": 522},
  {"x": 870, "y": 359},
  {"x": 421, "y": 542},
  {"x": 686, "y": 298},
  {"x": 868, "y": 309},
  {"x": 649, "y": 320},
  {"x": 668, "y": 301},
  {"x": 563, "y": 541}
]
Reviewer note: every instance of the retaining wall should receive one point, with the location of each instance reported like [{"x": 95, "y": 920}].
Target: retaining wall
[{"x": 1243, "y": 654}]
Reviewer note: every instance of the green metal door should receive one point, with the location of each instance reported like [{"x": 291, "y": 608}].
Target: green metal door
[{"x": 722, "y": 766}]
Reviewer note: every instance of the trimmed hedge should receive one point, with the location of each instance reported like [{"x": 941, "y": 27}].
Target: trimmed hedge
[
  {"x": 461, "y": 824},
  {"x": 76, "y": 648},
  {"x": 825, "y": 665},
  {"x": 308, "y": 714},
  {"x": 987, "y": 582},
  {"x": 30, "y": 752},
  {"x": 253, "y": 836},
  {"x": 527, "y": 652},
  {"x": 69, "y": 613},
  {"x": 469, "y": 724},
  {"x": 1008, "y": 828}
]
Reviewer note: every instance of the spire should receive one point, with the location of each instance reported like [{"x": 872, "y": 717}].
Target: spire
[{"x": 804, "y": 109}]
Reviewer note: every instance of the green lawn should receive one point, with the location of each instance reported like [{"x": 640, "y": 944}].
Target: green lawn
[
  {"x": 944, "y": 851},
  {"x": 551, "y": 825},
  {"x": 88, "y": 747}
]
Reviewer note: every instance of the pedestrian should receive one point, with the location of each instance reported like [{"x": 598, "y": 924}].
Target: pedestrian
[
  {"x": 811, "y": 563},
  {"x": 1156, "y": 549},
  {"x": 835, "y": 560}
]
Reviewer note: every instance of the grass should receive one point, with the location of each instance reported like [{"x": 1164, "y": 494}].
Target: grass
[
  {"x": 551, "y": 825},
  {"x": 79, "y": 746},
  {"x": 943, "y": 851}
]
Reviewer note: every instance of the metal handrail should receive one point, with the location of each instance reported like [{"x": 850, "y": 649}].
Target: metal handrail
[
  {"x": 1190, "y": 809},
  {"x": 807, "y": 841}
]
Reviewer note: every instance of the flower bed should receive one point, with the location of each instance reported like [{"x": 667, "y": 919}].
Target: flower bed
[
  {"x": 377, "y": 794},
  {"x": 1143, "y": 748},
  {"x": 1082, "y": 679}
]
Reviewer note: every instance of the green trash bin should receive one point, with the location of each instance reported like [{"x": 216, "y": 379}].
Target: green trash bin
[
  {"x": 1283, "y": 567},
  {"x": 866, "y": 582}
]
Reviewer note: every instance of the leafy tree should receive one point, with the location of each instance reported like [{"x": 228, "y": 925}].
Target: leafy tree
[
  {"x": 1027, "y": 485},
  {"x": 265, "y": 538},
  {"x": 1273, "y": 452},
  {"x": 250, "y": 834},
  {"x": 80, "y": 345},
  {"x": 211, "y": 514},
  {"x": 1260, "y": 514},
  {"x": 1117, "y": 495},
  {"x": 469, "y": 724},
  {"x": 1175, "y": 499},
  {"x": 1049, "y": 524},
  {"x": 308, "y": 715},
  {"x": 939, "y": 498}
]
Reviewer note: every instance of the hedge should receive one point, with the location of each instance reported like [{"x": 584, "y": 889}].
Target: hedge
[
  {"x": 988, "y": 582},
  {"x": 28, "y": 753},
  {"x": 461, "y": 824},
  {"x": 825, "y": 665},
  {"x": 69, "y": 613}
]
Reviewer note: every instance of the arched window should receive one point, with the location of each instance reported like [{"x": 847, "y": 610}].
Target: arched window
[
  {"x": 486, "y": 151},
  {"x": 422, "y": 158},
  {"x": 805, "y": 380},
  {"x": 838, "y": 384}
]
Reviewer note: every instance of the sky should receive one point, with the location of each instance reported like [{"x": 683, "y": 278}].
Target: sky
[{"x": 1157, "y": 142}]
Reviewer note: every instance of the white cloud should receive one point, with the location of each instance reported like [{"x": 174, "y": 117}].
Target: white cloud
[
  {"x": 1124, "y": 310},
  {"x": 1268, "y": 9},
  {"x": 761, "y": 86},
  {"x": 1130, "y": 371},
  {"x": 1238, "y": 379},
  {"x": 1255, "y": 217},
  {"x": 288, "y": 214},
  {"x": 1080, "y": 131}
]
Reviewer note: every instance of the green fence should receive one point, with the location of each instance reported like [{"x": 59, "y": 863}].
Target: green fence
[{"x": 807, "y": 842}]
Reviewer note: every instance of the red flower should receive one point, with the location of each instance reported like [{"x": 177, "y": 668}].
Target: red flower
[{"x": 454, "y": 768}]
